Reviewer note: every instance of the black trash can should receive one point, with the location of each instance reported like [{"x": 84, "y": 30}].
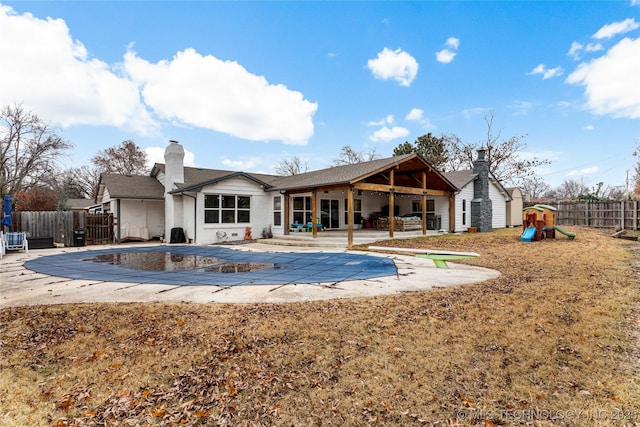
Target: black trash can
[
  {"x": 177, "y": 235},
  {"x": 79, "y": 237}
]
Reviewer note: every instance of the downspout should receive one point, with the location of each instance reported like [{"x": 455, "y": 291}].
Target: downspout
[
  {"x": 118, "y": 235},
  {"x": 195, "y": 216}
]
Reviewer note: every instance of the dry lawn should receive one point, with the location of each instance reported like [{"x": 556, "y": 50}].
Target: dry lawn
[{"x": 553, "y": 341}]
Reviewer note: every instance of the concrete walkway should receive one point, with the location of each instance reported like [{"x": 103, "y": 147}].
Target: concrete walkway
[{"x": 21, "y": 286}]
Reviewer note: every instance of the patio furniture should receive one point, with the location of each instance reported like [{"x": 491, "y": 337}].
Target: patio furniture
[
  {"x": 318, "y": 226},
  {"x": 1, "y": 244},
  {"x": 16, "y": 241},
  {"x": 296, "y": 227}
]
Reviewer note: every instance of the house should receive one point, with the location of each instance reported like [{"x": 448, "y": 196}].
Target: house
[
  {"x": 210, "y": 206},
  {"x": 481, "y": 199}
]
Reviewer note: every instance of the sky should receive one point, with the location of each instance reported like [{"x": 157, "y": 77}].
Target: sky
[{"x": 243, "y": 85}]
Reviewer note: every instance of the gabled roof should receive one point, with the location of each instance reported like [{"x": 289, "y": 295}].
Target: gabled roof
[
  {"x": 196, "y": 178},
  {"x": 130, "y": 186},
  {"x": 404, "y": 165},
  {"x": 460, "y": 178},
  {"x": 463, "y": 177}
]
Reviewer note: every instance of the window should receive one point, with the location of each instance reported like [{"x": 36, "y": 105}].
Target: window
[
  {"x": 277, "y": 211},
  {"x": 416, "y": 207},
  {"x": 302, "y": 210},
  {"x": 464, "y": 212},
  {"x": 226, "y": 209},
  {"x": 357, "y": 211}
]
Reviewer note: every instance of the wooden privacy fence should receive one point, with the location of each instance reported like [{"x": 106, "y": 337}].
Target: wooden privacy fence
[
  {"x": 618, "y": 214},
  {"x": 67, "y": 227}
]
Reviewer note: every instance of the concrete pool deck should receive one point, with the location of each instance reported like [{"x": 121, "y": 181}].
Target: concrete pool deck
[{"x": 21, "y": 286}]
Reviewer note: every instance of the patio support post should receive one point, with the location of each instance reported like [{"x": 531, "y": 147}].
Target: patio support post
[
  {"x": 424, "y": 203},
  {"x": 392, "y": 200},
  {"x": 314, "y": 213},
  {"x": 350, "y": 217},
  {"x": 287, "y": 218}
]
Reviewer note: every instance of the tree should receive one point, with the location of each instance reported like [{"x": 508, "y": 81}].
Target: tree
[
  {"x": 570, "y": 189},
  {"x": 82, "y": 182},
  {"x": 37, "y": 198},
  {"x": 503, "y": 155},
  {"x": 535, "y": 187},
  {"x": 29, "y": 150},
  {"x": 291, "y": 166},
  {"x": 126, "y": 159},
  {"x": 349, "y": 156},
  {"x": 431, "y": 148}
]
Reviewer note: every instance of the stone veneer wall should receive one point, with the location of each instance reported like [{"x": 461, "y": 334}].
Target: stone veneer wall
[{"x": 481, "y": 207}]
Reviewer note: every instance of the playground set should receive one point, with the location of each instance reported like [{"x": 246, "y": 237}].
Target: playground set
[{"x": 539, "y": 222}]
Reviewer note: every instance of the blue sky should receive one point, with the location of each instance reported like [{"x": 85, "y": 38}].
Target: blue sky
[{"x": 243, "y": 85}]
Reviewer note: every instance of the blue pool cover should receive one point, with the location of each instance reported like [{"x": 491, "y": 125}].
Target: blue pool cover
[{"x": 273, "y": 268}]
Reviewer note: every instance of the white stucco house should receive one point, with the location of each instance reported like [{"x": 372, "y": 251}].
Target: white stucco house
[{"x": 210, "y": 206}]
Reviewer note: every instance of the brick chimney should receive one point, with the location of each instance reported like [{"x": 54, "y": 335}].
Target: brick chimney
[
  {"x": 173, "y": 174},
  {"x": 481, "y": 208},
  {"x": 174, "y": 165}
]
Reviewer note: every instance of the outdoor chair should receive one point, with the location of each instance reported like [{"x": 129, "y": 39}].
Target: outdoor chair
[
  {"x": 296, "y": 227},
  {"x": 1, "y": 244},
  {"x": 16, "y": 241}
]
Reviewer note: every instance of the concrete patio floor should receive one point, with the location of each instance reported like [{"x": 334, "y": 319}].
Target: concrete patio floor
[{"x": 22, "y": 286}]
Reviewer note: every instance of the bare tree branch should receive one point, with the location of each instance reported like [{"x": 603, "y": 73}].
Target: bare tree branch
[{"x": 29, "y": 150}]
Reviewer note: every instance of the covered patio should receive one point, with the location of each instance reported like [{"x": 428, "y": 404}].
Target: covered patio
[{"x": 377, "y": 185}]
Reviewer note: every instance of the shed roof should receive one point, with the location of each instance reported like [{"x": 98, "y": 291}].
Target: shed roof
[{"x": 130, "y": 186}]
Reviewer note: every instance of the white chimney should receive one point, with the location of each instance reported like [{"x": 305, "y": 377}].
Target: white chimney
[{"x": 174, "y": 165}]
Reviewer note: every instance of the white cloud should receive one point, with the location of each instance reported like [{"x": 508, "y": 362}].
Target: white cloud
[
  {"x": 415, "y": 114},
  {"x": 589, "y": 127},
  {"x": 452, "y": 42},
  {"x": 387, "y": 120},
  {"x": 387, "y": 134},
  {"x": 207, "y": 92},
  {"x": 394, "y": 64},
  {"x": 583, "y": 171},
  {"x": 470, "y": 112},
  {"x": 635, "y": 2},
  {"x": 576, "y": 49},
  {"x": 522, "y": 108},
  {"x": 245, "y": 164},
  {"x": 547, "y": 73},
  {"x": 48, "y": 72},
  {"x": 156, "y": 155},
  {"x": 447, "y": 54},
  {"x": 621, "y": 27},
  {"x": 609, "y": 80}
]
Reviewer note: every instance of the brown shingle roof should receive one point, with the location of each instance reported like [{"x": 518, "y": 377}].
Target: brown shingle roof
[
  {"x": 337, "y": 175},
  {"x": 460, "y": 178},
  {"x": 197, "y": 177},
  {"x": 132, "y": 186}
]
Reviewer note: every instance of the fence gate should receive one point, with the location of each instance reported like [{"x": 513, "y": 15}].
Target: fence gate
[{"x": 98, "y": 229}]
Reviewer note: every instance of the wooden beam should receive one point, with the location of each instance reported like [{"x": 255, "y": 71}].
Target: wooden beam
[
  {"x": 314, "y": 213},
  {"x": 424, "y": 203},
  {"x": 365, "y": 186},
  {"x": 350, "y": 217},
  {"x": 392, "y": 211},
  {"x": 287, "y": 217}
]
